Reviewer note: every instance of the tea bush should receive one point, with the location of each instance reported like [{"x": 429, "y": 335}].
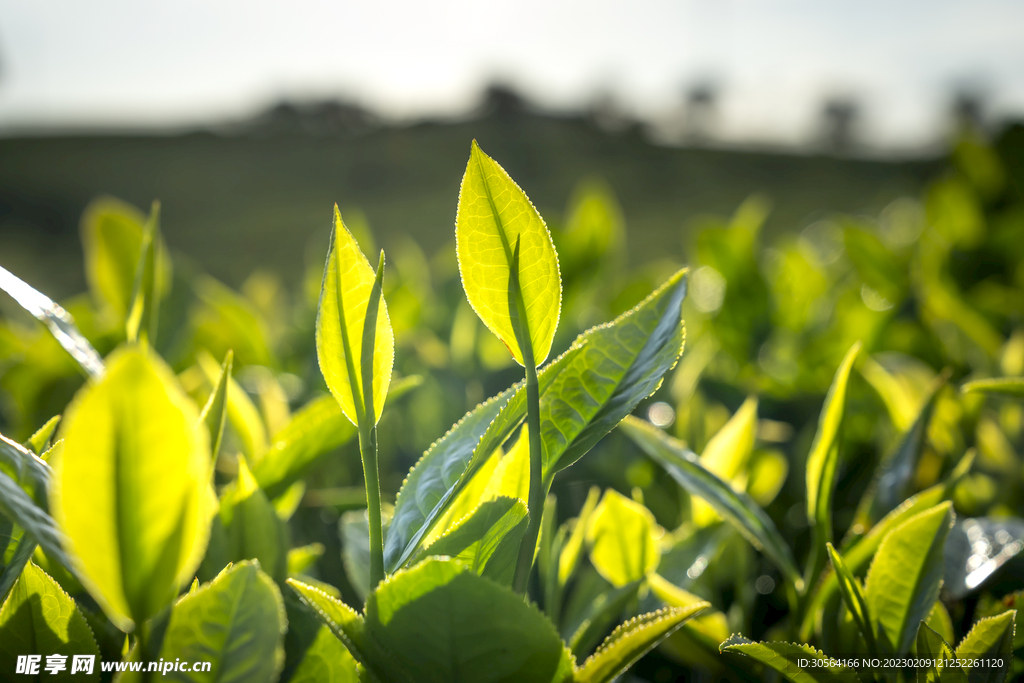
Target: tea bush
[{"x": 199, "y": 474}]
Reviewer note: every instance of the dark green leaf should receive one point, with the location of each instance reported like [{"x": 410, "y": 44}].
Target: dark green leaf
[
  {"x": 853, "y": 596},
  {"x": 934, "y": 649},
  {"x": 735, "y": 507}
]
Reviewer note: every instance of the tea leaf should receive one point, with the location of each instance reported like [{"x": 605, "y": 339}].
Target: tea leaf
[
  {"x": 728, "y": 452},
  {"x": 1009, "y": 386},
  {"x": 150, "y": 282},
  {"x": 493, "y": 215},
  {"x": 569, "y": 557},
  {"x": 254, "y": 530},
  {"x": 853, "y": 596},
  {"x": 632, "y": 640},
  {"x": 58, "y": 321},
  {"x": 735, "y": 507},
  {"x": 344, "y": 297},
  {"x": 344, "y": 622},
  {"x": 990, "y": 638},
  {"x": 40, "y": 440},
  {"x": 905, "y": 576},
  {"x": 39, "y": 617},
  {"x": 312, "y": 653},
  {"x": 112, "y": 235},
  {"x": 243, "y": 415},
  {"x": 614, "y": 367},
  {"x": 237, "y": 622},
  {"x": 215, "y": 411},
  {"x": 933, "y": 648},
  {"x": 452, "y": 461},
  {"x": 621, "y": 539},
  {"x": 17, "y": 506},
  {"x": 316, "y": 430},
  {"x": 131, "y": 487},
  {"x": 426, "y": 625},
  {"x": 487, "y": 540},
  {"x": 603, "y": 611},
  {"x": 785, "y": 658},
  {"x": 823, "y": 459}
]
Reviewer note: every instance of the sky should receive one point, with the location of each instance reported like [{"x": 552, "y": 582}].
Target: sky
[{"x": 125, "y": 63}]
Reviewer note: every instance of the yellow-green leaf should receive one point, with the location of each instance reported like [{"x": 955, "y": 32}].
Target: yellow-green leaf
[
  {"x": 493, "y": 215},
  {"x": 570, "y": 555},
  {"x": 623, "y": 547},
  {"x": 131, "y": 487},
  {"x": 727, "y": 453},
  {"x": 344, "y": 295},
  {"x": 112, "y": 240},
  {"x": 38, "y": 617}
]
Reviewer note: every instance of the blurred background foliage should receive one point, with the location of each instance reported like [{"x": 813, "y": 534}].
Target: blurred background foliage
[{"x": 922, "y": 261}]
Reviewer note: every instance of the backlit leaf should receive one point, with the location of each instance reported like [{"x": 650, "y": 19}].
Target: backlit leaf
[
  {"x": 569, "y": 557},
  {"x": 215, "y": 412},
  {"x": 112, "y": 241},
  {"x": 426, "y": 625},
  {"x": 632, "y": 640},
  {"x": 344, "y": 296},
  {"x": 785, "y": 658},
  {"x": 1009, "y": 386},
  {"x": 623, "y": 547},
  {"x": 236, "y": 622},
  {"x": 905, "y": 576},
  {"x": 990, "y": 638},
  {"x": 728, "y": 452},
  {"x": 312, "y": 653},
  {"x": 131, "y": 487},
  {"x": 853, "y": 596},
  {"x": 38, "y": 617},
  {"x": 735, "y": 507},
  {"x": 494, "y": 214}
]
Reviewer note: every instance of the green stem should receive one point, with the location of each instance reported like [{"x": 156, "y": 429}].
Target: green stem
[
  {"x": 368, "y": 453},
  {"x": 535, "y": 504}
]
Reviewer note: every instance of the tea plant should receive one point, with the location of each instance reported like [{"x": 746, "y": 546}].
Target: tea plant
[{"x": 154, "y": 518}]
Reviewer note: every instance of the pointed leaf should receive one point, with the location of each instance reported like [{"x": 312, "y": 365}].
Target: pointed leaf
[
  {"x": 623, "y": 547},
  {"x": 316, "y": 430},
  {"x": 933, "y": 649},
  {"x": 785, "y": 658},
  {"x": 112, "y": 239},
  {"x": 427, "y": 625},
  {"x": 237, "y": 622},
  {"x": 131, "y": 487},
  {"x": 905, "y": 576},
  {"x": 1008, "y": 386},
  {"x": 344, "y": 296},
  {"x": 632, "y": 640},
  {"x": 853, "y": 596},
  {"x": 896, "y": 472},
  {"x": 243, "y": 415},
  {"x": 144, "y": 308},
  {"x": 615, "y": 366},
  {"x": 40, "y": 441},
  {"x": 38, "y": 617},
  {"x": 728, "y": 452},
  {"x": 605, "y": 609},
  {"x": 735, "y": 507},
  {"x": 823, "y": 460},
  {"x": 215, "y": 412},
  {"x": 573, "y": 548},
  {"x": 344, "y": 622},
  {"x": 493, "y": 215},
  {"x": 302, "y": 558},
  {"x": 990, "y": 638},
  {"x": 312, "y": 653},
  {"x": 58, "y": 321},
  {"x": 254, "y": 530},
  {"x": 18, "y": 507},
  {"x": 487, "y": 540},
  {"x": 452, "y": 461}
]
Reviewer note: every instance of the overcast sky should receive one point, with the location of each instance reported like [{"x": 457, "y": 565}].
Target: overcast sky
[{"x": 132, "y": 62}]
